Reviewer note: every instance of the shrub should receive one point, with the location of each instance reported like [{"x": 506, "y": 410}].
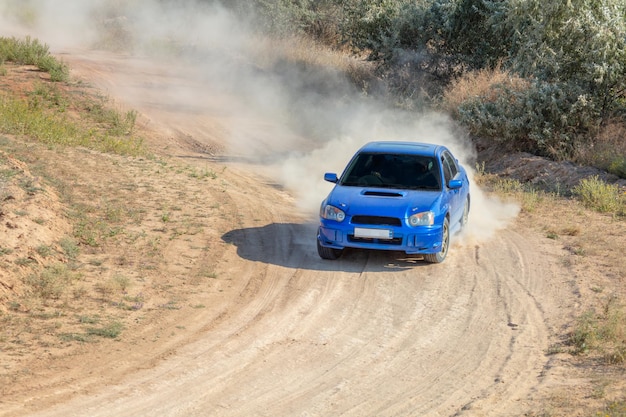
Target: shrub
[
  {"x": 600, "y": 196},
  {"x": 573, "y": 55},
  {"x": 547, "y": 119},
  {"x": 52, "y": 282},
  {"x": 485, "y": 85},
  {"x": 59, "y": 71},
  {"x": 578, "y": 43},
  {"x": 31, "y": 52},
  {"x": 604, "y": 333},
  {"x": 110, "y": 330}
]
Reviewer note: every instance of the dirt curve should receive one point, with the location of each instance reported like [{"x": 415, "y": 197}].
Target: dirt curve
[{"x": 373, "y": 334}]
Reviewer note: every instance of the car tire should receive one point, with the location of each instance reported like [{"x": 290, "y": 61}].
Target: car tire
[
  {"x": 328, "y": 253},
  {"x": 439, "y": 257}
]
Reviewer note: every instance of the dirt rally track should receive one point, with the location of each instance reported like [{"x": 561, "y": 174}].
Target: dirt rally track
[{"x": 373, "y": 334}]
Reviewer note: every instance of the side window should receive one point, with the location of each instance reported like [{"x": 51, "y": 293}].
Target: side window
[
  {"x": 454, "y": 169},
  {"x": 447, "y": 173}
]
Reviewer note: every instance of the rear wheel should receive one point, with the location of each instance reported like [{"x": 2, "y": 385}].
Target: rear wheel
[
  {"x": 445, "y": 243},
  {"x": 328, "y": 253}
]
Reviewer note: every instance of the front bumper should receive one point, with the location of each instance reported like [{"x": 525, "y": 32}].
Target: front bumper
[{"x": 414, "y": 240}]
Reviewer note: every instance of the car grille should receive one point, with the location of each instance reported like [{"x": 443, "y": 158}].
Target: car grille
[
  {"x": 394, "y": 241},
  {"x": 376, "y": 220}
]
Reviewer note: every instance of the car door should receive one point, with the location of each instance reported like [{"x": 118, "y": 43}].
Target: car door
[{"x": 455, "y": 197}]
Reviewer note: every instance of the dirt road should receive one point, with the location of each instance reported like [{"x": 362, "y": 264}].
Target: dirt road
[{"x": 373, "y": 334}]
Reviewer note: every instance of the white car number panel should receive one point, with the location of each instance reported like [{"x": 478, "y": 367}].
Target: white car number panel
[{"x": 373, "y": 233}]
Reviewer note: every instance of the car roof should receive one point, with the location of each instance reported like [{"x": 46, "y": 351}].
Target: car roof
[{"x": 397, "y": 147}]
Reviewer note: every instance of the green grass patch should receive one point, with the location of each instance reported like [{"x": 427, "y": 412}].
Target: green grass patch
[
  {"x": 109, "y": 331},
  {"x": 29, "y": 51},
  {"x": 87, "y": 319},
  {"x": 21, "y": 117},
  {"x": 18, "y": 117},
  {"x": 600, "y": 196},
  {"x": 528, "y": 195},
  {"x": 52, "y": 282},
  {"x": 44, "y": 250},
  {"x": 47, "y": 95},
  {"x": 43, "y": 115},
  {"x": 603, "y": 333},
  {"x": 116, "y": 122},
  {"x": 70, "y": 247}
]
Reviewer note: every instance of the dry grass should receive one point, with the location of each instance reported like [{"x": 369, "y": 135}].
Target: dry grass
[
  {"x": 481, "y": 84},
  {"x": 313, "y": 55},
  {"x": 600, "y": 196},
  {"x": 603, "y": 332}
]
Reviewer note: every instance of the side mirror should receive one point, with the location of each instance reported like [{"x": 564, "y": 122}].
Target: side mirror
[
  {"x": 331, "y": 177},
  {"x": 455, "y": 184}
]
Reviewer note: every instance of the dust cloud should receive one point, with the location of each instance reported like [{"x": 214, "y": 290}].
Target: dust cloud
[{"x": 290, "y": 121}]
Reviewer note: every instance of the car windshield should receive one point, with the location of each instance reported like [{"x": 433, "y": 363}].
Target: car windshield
[{"x": 401, "y": 171}]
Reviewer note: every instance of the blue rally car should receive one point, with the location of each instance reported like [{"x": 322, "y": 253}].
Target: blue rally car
[{"x": 400, "y": 196}]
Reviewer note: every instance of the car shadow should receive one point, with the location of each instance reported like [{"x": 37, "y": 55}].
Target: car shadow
[{"x": 293, "y": 245}]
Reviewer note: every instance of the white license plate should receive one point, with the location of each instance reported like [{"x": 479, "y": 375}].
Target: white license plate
[{"x": 373, "y": 233}]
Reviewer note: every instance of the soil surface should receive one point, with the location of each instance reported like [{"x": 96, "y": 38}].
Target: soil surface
[{"x": 240, "y": 317}]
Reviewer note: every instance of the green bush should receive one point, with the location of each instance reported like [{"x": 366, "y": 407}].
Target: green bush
[
  {"x": 573, "y": 53},
  {"x": 110, "y": 330},
  {"x": 544, "y": 118},
  {"x": 617, "y": 165},
  {"x": 52, "y": 282},
  {"x": 59, "y": 71},
  {"x": 31, "y": 52},
  {"x": 600, "y": 196},
  {"x": 319, "y": 19}
]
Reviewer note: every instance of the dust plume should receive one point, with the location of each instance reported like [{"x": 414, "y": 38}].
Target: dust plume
[
  {"x": 303, "y": 174},
  {"x": 287, "y": 117}
]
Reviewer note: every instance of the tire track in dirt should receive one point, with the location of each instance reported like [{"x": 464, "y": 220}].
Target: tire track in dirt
[{"x": 412, "y": 341}]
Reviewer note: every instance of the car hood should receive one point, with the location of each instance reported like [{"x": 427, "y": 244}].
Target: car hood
[{"x": 382, "y": 201}]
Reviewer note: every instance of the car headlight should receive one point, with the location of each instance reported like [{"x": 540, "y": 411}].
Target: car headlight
[
  {"x": 425, "y": 218},
  {"x": 329, "y": 212}
]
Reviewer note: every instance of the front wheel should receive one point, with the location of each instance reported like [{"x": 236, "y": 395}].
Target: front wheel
[
  {"x": 438, "y": 257},
  {"x": 328, "y": 253}
]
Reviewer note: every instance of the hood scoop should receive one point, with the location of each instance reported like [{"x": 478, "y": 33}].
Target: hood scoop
[{"x": 382, "y": 193}]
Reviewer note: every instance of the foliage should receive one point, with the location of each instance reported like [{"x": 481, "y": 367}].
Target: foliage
[
  {"x": 30, "y": 51},
  {"x": 600, "y": 196},
  {"x": 52, "y": 281},
  {"x": 604, "y": 333},
  {"x": 317, "y": 18},
  {"x": 572, "y": 54},
  {"x": 43, "y": 116},
  {"x": 544, "y": 118},
  {"x": 614, "y": 409},
  {"x": 580, "y": 43},
  {"x": 445, "y": 37},
  {"x": 110, "y": 330}
]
